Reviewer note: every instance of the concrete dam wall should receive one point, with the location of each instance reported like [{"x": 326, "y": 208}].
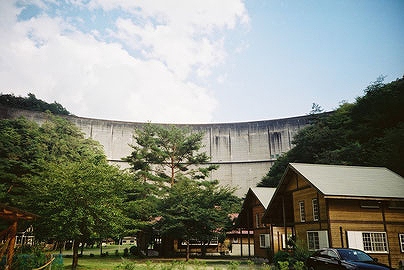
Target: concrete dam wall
[{"x": 244, "y": 151}]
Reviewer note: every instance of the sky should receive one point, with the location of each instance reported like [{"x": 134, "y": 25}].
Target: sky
[{"x": 198, "y": 61}]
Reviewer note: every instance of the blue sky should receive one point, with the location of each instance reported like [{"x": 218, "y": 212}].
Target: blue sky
[{"x": 184, "y": 61}]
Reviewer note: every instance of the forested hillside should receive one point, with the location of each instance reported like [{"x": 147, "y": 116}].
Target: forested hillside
[
  {"x": 31, "y": 103},
  {"x": 368, "y": 132}
]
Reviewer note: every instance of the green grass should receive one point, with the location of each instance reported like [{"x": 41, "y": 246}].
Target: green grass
[
  {"x": 94, "y": 263},
  {"x": 111, "y": 262}
]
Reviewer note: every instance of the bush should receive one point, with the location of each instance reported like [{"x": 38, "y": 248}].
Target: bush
[
  {"x": 136, "y": 251},
  {"x": 298, "y": 265},
  {"x": 283, "y": 265},
  {"x": 58, "y": 262},
  {"x": 281, "y": 256}
]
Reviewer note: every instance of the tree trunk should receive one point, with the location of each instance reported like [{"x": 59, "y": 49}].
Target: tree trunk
[
  {"x": 187, "y": 256},
  {"x": 75, "y": 262}
]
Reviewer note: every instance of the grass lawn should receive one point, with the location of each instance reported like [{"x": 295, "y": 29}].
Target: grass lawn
[
  {"x": 112, "y": 261},
  {"x": 94, "y": 263},
  {"x": 109, "y": 263}
]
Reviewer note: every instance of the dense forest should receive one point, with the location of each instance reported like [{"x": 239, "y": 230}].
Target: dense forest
[
  {"x": 368, "y": 132},
  {"x": 31, "y": 103}
]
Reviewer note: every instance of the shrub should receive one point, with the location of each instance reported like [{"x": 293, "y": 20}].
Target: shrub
[
  {"x": 283, "y": 265},
  {"x": 298, "y": 265},
  {"x": 135, "y": 251},
  {"x": 58, "y": 262},
  {"x": 281, "y": 256},
  {"x": 233, "y": 265}
]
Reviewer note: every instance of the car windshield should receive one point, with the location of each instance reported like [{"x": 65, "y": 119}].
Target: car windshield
[{"x": 354, "y": 255}]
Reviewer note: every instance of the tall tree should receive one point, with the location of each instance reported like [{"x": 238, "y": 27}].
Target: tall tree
[
  {"x": 197, "y": 211},
  {"x": 53, "y": 171},
  {"x": 160, "y": 154},
  {"x": 368, "y": 132},
  {"x": 21, "y": 155},
  {"x": 78, "y": 200}
]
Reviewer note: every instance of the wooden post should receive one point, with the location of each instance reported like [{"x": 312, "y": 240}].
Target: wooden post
[
  {"x": 385, "y": 230},
  {"x": 342, "y": 236},
  {"x": 241, "y": 242},
  {"x": 12, "y": 236}
]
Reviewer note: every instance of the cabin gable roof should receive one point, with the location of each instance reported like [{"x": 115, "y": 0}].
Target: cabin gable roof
[
  {"x": 262, "y": 194},
  {"x": 352, "y": 181}
]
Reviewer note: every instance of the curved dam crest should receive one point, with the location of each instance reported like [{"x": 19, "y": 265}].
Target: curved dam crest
[{"x": 244, "y": 151}]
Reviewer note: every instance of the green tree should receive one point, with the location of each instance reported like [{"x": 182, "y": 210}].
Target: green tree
[
  {"x": 160, "y": 154},
  {"x": 197, "y": 211},
  {"x": 21, "y": 155},
  {"x": 32, "y": 103},
  {"x": 55, "y": 172},
  {"x": 368, "y": 132},
  {"x": 79, "y": 200}
]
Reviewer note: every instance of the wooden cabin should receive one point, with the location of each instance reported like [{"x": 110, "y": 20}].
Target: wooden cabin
[
  {"x": 342, "y": 206},
  {"x": 267, "y": 240}
]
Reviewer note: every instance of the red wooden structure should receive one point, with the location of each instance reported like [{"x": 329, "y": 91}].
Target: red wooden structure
[{"x": 8, "y": 236}]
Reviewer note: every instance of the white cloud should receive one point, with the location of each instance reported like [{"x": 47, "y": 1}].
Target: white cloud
[{"x": 57, "y": 61}]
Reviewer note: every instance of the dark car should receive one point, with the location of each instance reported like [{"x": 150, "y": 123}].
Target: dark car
[{"x": 342, "y": 258}]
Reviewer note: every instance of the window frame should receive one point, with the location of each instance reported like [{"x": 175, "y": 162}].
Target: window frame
[
  {"x": 302, "y": 211},
  {"x": 321, "y": 240},
  {"x": 265, "y": 240},
  {"x": 316, "y": 209},
  {"x": 401, "y": 241},
  {"x": 373, "y": 239},
  {"x": 369, "y": 241},
  {"x": 257, "y": 220}
]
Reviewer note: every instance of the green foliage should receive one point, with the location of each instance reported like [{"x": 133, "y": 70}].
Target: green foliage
[
  {"x": 369, "y": 132},
  {"x": 233, "y": 265},
  {"x": 32, "y": 103},
  {"x": 283, "y": 265},
  {"x": 29, "y": 257},
  {"x": 163, "y": 154},
  {"x": 281, "y": 256},
  {"x": 53, "y": 171},
  {"x": 58, "y": 262},
  {"x": 298, "y": 265},
  {"x": 195, "y": 210},
  {"x": 169, "y": 173}
]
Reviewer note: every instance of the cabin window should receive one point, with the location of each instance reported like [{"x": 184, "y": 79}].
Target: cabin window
[
  {"x": 317, "y": 239},
  {"x": 257, "y": 220},
  {"x": 401, "y": 239},
  {"x": 370, "y": 204},
  {"x": 285, "y": 242},
  {"x": 372, "y": 242},
  {"x": 396, "y": 205},
  {"x": 302, "y": 212},
  {"x": 264, "y": 241},
  {"x": 314, "y": 203}
]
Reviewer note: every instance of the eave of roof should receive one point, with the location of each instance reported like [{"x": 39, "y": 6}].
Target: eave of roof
[{"x": 12, "y": 213}]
